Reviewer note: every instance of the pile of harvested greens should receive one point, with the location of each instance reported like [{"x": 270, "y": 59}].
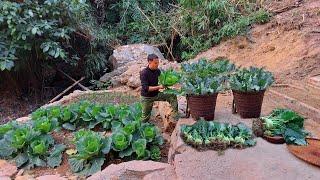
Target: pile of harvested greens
[
  {"x": 217, "y": 136},
  {"x": 285, "y": 123}
]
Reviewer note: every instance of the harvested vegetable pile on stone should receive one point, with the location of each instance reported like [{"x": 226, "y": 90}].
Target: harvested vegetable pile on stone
[
  {"x": 217, "y": 136},
  {"x": 285, "y": 123}
]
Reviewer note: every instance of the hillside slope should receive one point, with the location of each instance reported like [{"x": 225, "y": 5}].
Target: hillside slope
[{"x": 289, "y": 45}]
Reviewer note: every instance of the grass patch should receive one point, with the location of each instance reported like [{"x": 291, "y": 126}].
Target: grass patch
[{"x": 107, "y": 97}]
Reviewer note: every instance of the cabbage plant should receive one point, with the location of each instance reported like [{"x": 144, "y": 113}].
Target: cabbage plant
[
  {"x": 31, "y": 147},
  {"x": 91, "y": 150}
]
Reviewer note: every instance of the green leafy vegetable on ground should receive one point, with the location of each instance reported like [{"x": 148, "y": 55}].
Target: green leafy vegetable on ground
[
  {"x": 91, "y": 149},
  {"x": 286, "y": 123},
  {"x": 218, "y": 136},
  {"x": 31, "y": 146},
  {"x": 86, "y": 114}
]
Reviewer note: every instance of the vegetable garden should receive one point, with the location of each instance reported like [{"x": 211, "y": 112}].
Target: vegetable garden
[
  {"x": 99, "y": 134},
  {"x": 32, "y": 144}
]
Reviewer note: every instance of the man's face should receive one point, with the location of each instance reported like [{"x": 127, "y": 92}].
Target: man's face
[{"x": 154, "y": 64}]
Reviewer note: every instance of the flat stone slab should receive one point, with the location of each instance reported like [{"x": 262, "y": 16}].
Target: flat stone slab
[
  {"x": 264, "y": 161},
  {"x": 129, "y": 170},
  {"x": 177, "y": 145},
  {"x": 166, "y": 174}
]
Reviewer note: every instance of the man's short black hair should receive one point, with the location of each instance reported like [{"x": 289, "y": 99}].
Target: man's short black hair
[{"x": 151, "y": 57}]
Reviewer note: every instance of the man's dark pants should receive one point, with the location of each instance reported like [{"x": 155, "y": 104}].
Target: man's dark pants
[{"x": 147, "y": 103}]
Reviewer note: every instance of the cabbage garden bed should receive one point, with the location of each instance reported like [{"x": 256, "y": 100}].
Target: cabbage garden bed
[{"x": 82, "y": 137}]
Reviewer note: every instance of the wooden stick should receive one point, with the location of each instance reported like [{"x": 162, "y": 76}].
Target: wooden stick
[
  {"x": 79, "y": 84},
  {"x": 63, "y": 92}
]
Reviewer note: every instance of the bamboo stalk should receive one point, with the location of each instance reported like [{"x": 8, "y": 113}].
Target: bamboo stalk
[
  {"x": 82, "y": 86},
  {"x": 63, "y": 92}
]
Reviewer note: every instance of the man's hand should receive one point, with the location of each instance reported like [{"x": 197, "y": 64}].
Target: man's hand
[
  {"x": 156, "y": 88},
  {"x": 161, "y": 87}
]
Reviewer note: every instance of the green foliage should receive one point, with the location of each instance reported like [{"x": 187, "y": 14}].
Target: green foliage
[
  {"x": 251, "y": 80},
  {"x": 155, "y": 153},
  {"x": 45, "y": 125},
  {"x": 203, "y": 23},
  {"x": 205, "y": 77},
  {"x": 30, "y": 146},
  {"x": 37, "y": 27},
  {"x": 217, "y": 136},
  {"x": 286, "y": 123},
  {"x": 139, "y": 147},
  {"x": 86, "y": 114},
  {"x": 140, "y": 140},
  {"x": 91, "y": 149},
  {"x": 134, "y": 141}
]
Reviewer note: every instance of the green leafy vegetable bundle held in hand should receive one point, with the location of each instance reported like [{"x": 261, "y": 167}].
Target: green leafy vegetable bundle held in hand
[
  {"x": 251, "y": 80},
  {"x": 286, "y": 123},
  {"x": 218, "y": 136},
  {"x": 169, "y": 77}
]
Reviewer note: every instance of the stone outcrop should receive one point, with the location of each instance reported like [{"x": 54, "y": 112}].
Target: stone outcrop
[
  {"x": 177, "y": 145},
  {"x": 127, "y": 62}
]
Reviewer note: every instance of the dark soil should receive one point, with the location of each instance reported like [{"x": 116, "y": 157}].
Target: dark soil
[{"x": 13, "y": 107}]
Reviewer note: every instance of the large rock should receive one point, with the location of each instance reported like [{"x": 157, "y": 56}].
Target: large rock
[
  {"x": 130, "y": 170},
  {"x": 128, "y": 61},
  {"x": 177, "y": 145},
  {"x": 165, "y": 111},
  {"x": 130, "y": 53},
  {"x": 7, "y": 169}
]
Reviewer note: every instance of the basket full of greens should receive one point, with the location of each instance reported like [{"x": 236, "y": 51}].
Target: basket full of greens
[
  {"x": 248, "y": 86},
  {"x": 201, "y": 82}
]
